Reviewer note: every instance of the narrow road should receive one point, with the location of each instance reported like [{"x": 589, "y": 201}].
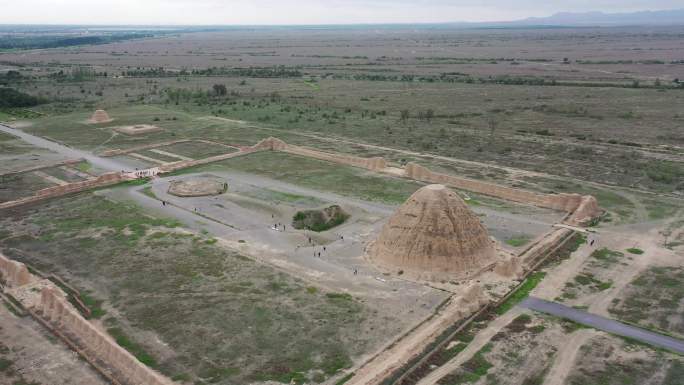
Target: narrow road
[
  {"x": 603, "y": 323},
  {"x": 103, "y": 163}
]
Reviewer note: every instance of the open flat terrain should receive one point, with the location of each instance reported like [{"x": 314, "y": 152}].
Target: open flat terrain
[{"x": 223, "y": 289}]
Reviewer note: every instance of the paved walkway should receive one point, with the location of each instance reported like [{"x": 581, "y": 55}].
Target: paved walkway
[
  {"x": 603, "y": 323},
  {"x": 69, "y": 152}
]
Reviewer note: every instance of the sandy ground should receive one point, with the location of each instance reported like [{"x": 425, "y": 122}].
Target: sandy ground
[
  {"x": 616, "y": 239},
  {"x": 644, "y": 236},
  {"x": 565, "y": 359},
  {"x": 245, "y": 223},
  {"x": 39, "y": 357}
]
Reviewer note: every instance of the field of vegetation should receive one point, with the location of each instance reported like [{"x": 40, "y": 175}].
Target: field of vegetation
[
  {"x": 141, "y": 272},
  {"x": 583, "y": 117}
]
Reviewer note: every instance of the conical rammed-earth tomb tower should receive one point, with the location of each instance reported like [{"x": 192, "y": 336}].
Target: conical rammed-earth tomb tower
[{"x": 434, "y": 235}]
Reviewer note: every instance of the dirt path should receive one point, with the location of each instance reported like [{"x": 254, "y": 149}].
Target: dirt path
[
  {"x": 553, "y": 284},
  {"x": 480, "y": 340},
  {"x": 654, "y": 255},
  {"x": 565, "y": 359},
  {"x": 68, "y": 152},
  {"x": 551, "y": 287}
]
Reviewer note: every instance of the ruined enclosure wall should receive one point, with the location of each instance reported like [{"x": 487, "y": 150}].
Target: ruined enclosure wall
[
  {"x": 51, "y": 307},
  {"x": 56, "y": 311},
  {"x": 373, "y": 164},
  {"x": 68, "y": 162},
  {"x": 14, "y": 273},
  {"x": 69, "y": 188},
  {"x": 587, "y": 210},
  {"x": 550, "y": 242},
  {"x": 583, "y": 208},
  {"x": 274, "y": 144},
  {"x": 175, "y": 166}
]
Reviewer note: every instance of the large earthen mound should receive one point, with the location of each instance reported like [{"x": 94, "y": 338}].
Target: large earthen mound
[
  {"x": 100, "y": 116},
  {"x": 434, "y": 236},
  {"x": 197, "y": 187}
]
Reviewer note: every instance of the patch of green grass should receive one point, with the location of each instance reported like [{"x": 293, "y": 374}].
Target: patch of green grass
[
  {"x": 182, "y": 377},
  {"x": 478, "y": 365},
  {"x": 521, "y": 292},
  {"x": 318, "y": 175},
  {"x": 94, "y": 304},
  {"x": 148, "y": 191},
  {"x": 133, "y": 347},
  {"x": 339, "y": 296},
  {"x": 4, "y": 137},
  {"x": 344, "y": 379},
  {"x": 661, "y": 209},
  {"x": 634, "y": 250},
  {"x": 571, "y": 326},
  {"x": 84, "y": 166},
  {"x": 577, "y": 241},
  {"x": 675, "y": 373},
  {"x": 280, "y": 196},
  {"x": 518, "y": 241},
  {"x": 454, "y": 350},
  {"x": 5, "y": 364},
  {"x": 213, "y": 374},
  {"x": 127, "y": 225},
  {"x": 606, "y": 256},
  {"x": 652, "y": 300}
]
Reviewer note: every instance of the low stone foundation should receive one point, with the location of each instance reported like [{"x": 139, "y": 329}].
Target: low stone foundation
[{"x": 138, "y": 129}]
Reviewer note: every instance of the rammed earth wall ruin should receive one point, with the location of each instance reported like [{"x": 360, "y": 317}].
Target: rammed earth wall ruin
[
  {"x": 51, "y": 308},
  {"x": 275, "y": 144},
  {"x": 69, "y": 188},
  {"x": 582, "y": 209},
  {"x": 14, "y": 273}
]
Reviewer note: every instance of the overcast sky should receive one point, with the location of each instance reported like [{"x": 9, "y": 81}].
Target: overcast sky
[{"x": 193, "y": 12}]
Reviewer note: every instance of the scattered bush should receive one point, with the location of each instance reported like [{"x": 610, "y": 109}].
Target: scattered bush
[{"x": 319, "y": 220}]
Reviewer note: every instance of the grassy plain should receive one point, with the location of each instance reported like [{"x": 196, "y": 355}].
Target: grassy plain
[{"x": 168, "y": 293}]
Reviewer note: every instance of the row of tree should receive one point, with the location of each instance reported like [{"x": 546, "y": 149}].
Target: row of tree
[{"x": 11, "y": 98}]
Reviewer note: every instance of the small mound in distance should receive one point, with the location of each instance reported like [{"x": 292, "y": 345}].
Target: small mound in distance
[
  {"x": 319, "y": 220},
  {"x": 100, "y": 116}
]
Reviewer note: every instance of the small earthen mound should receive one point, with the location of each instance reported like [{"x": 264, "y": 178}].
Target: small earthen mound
[
  {"x": 100, "y": 116},
  {"x": 137, "y": 129},
  {"x": 319, "y": 220},
  {"x": 197, "y": 187},
  {"x": 434, "y": 236}
]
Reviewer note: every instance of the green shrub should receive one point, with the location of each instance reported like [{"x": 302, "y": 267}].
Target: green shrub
[{"x": 319, "y": 220}]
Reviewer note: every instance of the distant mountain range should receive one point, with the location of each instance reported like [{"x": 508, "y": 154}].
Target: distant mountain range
[{"x": 668, "y": 17}]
